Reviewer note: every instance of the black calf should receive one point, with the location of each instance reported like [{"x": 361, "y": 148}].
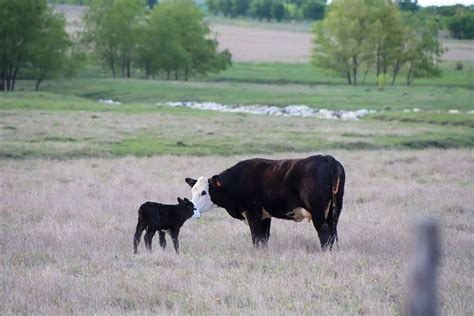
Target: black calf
[{"x": 155, "y": 216}]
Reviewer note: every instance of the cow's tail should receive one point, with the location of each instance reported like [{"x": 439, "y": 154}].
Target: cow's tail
[{"x": 337, "y": 191}]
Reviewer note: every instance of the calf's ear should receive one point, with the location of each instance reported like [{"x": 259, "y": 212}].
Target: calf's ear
[
  {"x": 215, "y": 182},
  {"x": 180, "y": 201},
  {"x": 190, "y": 181}
]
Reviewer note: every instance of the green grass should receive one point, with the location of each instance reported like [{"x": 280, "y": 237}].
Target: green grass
[
  {"x": 426, "y": 117},
  {"x": 138, "y": 91},
  {"x": 55, "y": 126},
  {"x": 307, "y": 74},
  {"x": 65, "y": 120}
]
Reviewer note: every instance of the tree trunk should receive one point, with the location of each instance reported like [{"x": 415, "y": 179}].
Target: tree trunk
[
  {"x": 349, "y": 77},
  {"x": 9, "y": 77},
  {"x": 365, "y": 74},
  {"x": 396, "y": 69},
  {"x": 2, "y": 80},
  {"x": 14, "y": 78},
  {"x": 410, "y": 75},
  {"x": 128, "y": 68},
  {"x": 176, "y": 74},
  {"x": 112, "y": 66},
  {"x": 38, "y": 83},
  {"x": 186, "y": 73},
  {"x": 378, "y": 62},
  {"x": 354, "y": 70}
]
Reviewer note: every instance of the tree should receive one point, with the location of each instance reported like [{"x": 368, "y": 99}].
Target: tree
[
  {"x": 111, "y": 29},
  {"x": 342, "y": 40},
  {"x": 313, "y": 9},
  {"x": 49, "y": 50},
  {"x": 20, "y": 24},
  {"x": 387, "y": 34},
  {"x": 461, "y": 25},
  {"x": 201, "y": 53},
  {"x": 423, "y": 51},
  {"x": 278, "y": 10},
  {"x": 152, "y": 3},
  {"x": 176, "y": 39}
]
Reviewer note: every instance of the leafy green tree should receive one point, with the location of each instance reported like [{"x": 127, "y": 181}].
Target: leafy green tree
[
  {"x": 201, "y": 52},
  {"x": 278, "y": 10},
  {"x": 213, "y": 6},
  {"x": 461, "y": 25},
  {"x": 49, "y": 50},
  {"x": 387, "y": 33},
  {"x": 342, "y": 40},
  {"x": 111, "y": 28},
  {"x": 313, "y": 9},
  {"x": 423, "y": 51},
  {"x": 20, "y": 26}
]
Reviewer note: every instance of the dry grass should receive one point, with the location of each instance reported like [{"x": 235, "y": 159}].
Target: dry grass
[{"x": 66, "y": 240}]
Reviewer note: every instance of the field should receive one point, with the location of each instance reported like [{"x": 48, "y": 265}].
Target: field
[
  {"x": 74, "y": 169},
  {"x": 67, "y": 231}
]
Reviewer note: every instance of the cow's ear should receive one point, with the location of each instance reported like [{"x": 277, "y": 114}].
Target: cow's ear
[
  {"x": 216, "y": 182},
  {"x": 190, "y": 181},
  {"x": 180, "y": 201}
]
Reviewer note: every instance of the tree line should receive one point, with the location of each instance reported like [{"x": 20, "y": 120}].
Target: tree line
[
  {"x": 171, "y": 38},
  {"x": 123, "y": 35},
  {"x": 269, "y": 9},
  {"x": 358, "y": 37}
]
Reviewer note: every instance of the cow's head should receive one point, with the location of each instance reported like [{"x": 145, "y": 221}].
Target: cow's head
[
  {"x": 201, "y": 196},
  {"x": 210, "y": 193}
]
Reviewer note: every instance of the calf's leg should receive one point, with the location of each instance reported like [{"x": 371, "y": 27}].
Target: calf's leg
[
  {"x": 138, "y": 235},
  {"x": 174, "y": 237},
  {"x": 149, "y": 237},
  {"x": 162, "y": 239}
]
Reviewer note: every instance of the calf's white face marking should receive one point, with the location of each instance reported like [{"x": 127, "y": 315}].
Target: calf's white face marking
[{"x": 201, "y": 198}]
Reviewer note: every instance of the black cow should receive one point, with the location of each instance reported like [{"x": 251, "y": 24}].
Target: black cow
[
  {"x": 258, "y": 189},
  {"x": 162, "y": 217}
]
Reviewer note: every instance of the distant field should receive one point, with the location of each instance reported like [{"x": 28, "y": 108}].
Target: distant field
[
  {"x": 66, "y": 240},
  {"x": 254, "y": 41}
]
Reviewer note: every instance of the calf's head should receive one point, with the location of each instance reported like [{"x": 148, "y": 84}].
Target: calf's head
[{"x": 187, "y": 208}]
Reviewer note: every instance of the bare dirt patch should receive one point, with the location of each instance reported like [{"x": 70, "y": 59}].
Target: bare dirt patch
[{"x": 67, "y": 226}]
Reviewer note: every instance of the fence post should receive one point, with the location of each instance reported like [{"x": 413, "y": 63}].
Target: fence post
[{"x": 422, "y": 293}]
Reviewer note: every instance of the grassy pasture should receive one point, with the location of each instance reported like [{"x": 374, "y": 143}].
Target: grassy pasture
[
  {"x": 51, "y": 125},
  {"x": 278, "y": 84},
  {"x": 66, "y": 120},
  {"x": 67, "y": 226}
]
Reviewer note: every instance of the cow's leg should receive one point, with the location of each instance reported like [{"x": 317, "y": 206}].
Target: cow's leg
[
  {"x": 162, "y": 239},
  {"x": 260, "y": 229},
  {"x": 320, "y": 214},
  {"x": 149, "y": 237}
]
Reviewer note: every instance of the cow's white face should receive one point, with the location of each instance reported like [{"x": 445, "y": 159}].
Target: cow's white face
[{"x": 201, "y": 198}]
